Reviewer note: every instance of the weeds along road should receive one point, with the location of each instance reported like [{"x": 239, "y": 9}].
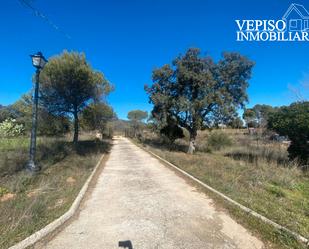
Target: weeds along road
[{"x": 139, "y": 200}]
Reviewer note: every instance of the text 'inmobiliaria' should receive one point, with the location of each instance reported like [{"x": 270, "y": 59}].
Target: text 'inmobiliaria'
[{"x": 293, "y": 27}]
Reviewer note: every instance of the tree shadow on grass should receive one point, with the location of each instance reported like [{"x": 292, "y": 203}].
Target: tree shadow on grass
[
  {"x": 88, "y": 147},
  {"x": 49, "y": 153},
  {"x": 161, "y": 144}
]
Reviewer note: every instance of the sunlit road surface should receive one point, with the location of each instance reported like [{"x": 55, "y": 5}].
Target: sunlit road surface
[{"x": 143, "y": 203}]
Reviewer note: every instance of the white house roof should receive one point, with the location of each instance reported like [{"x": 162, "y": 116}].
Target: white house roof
[{"x": 300, "y": 9}]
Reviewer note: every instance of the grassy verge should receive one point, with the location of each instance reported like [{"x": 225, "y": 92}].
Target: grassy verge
[
  {"x": 279, "y": 193},
  {"x": 28, "y": 203}
]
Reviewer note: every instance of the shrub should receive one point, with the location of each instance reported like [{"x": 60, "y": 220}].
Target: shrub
[
  {"x": 3, "y": 191},
  {"x": 10, "y": 128},
  {"x": 218, "y": 140},
  {"x": 172, "y": 132},
  {"x": 12, "y": 161},
  {"x": 293, "y": 121}
]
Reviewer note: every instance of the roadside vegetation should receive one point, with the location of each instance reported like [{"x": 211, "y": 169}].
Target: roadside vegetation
[
  {"x": 73, "y": 133},
  {"x": 253, "y": 171},
  {"x": 260, "y": 160},
  {"x": 27, "y": 202}
]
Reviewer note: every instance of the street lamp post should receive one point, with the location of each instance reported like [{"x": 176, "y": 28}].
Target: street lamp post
[{"x": 38, "y": 61}]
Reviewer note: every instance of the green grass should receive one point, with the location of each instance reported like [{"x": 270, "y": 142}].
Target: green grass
[
  {"x": 8, "y": 144},
  {"x": 14, "y": 152},
  {"x": 278, "y": 192},
  {"x": 42, "y": 198}
]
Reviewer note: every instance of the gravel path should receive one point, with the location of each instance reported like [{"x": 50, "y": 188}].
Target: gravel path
[{"x": 139, "y": 200}]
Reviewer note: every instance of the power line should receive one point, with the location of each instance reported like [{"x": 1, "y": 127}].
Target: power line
[{"x": 38, "y": 13}]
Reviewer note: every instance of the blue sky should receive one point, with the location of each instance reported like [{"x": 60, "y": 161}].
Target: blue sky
[{"x": 127, "y": 39}]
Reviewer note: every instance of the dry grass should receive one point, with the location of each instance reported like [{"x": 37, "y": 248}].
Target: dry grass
[
  {"x": 254, "y": 172},
  {"x": 42, "y": 198}
]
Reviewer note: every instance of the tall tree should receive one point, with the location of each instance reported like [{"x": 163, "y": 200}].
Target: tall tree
[
  {"x": 262, "y": 113},
  {"x": 69, "y": 84},
  {"x": 96, "y": 116},
  {"x": 197, "y": 92},
  {"x": 137, "y": 117},
  {"x": 258, "y": 115},
  {"x": 250, "y": 117}
]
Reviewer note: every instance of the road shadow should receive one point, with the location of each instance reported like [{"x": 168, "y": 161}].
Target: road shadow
[{"x": 125, "y": 244}]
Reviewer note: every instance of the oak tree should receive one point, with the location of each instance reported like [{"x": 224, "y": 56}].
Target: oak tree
[{"x": 198, "y": 93}]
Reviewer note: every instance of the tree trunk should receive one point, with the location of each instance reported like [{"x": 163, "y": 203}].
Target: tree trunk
[
  {"x": 102, "y": 129},
  {"x": 76, "y": 127},
  {"x": 135, "y": 129},
  {"x": 191, "y": 148}
]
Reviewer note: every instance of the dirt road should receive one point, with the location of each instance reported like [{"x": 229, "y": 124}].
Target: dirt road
[{"x": 142, "y": 202}]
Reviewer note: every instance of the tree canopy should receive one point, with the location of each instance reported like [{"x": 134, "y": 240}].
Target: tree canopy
[
  {"x": 236, "y": 123},
  {"x": 137, "y": 115},
  {"x": 69, "y": 84},
  {"x": 48, "y": 123},
  {"x": 198, "y": 93},
  {"x": 136, "y": 118},
  {"x": 250, "y": 117},
  {"x": 96, "y": 116},
  {"x": 258, "y": 115}
]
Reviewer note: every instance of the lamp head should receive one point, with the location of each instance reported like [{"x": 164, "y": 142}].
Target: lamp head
[{"x": 38, "y": 60}]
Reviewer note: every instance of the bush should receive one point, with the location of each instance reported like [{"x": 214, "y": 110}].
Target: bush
[
  {"x": 171, "y": 132},
  {"x": 218, "y": 140},
  {"x": 293, "y": 121},
  {"x": 50, "y": 125},
  {"x": 12, "y": 161},
  {"x": 10, "y": 128},
  {"x": 3, "y": 191}
]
